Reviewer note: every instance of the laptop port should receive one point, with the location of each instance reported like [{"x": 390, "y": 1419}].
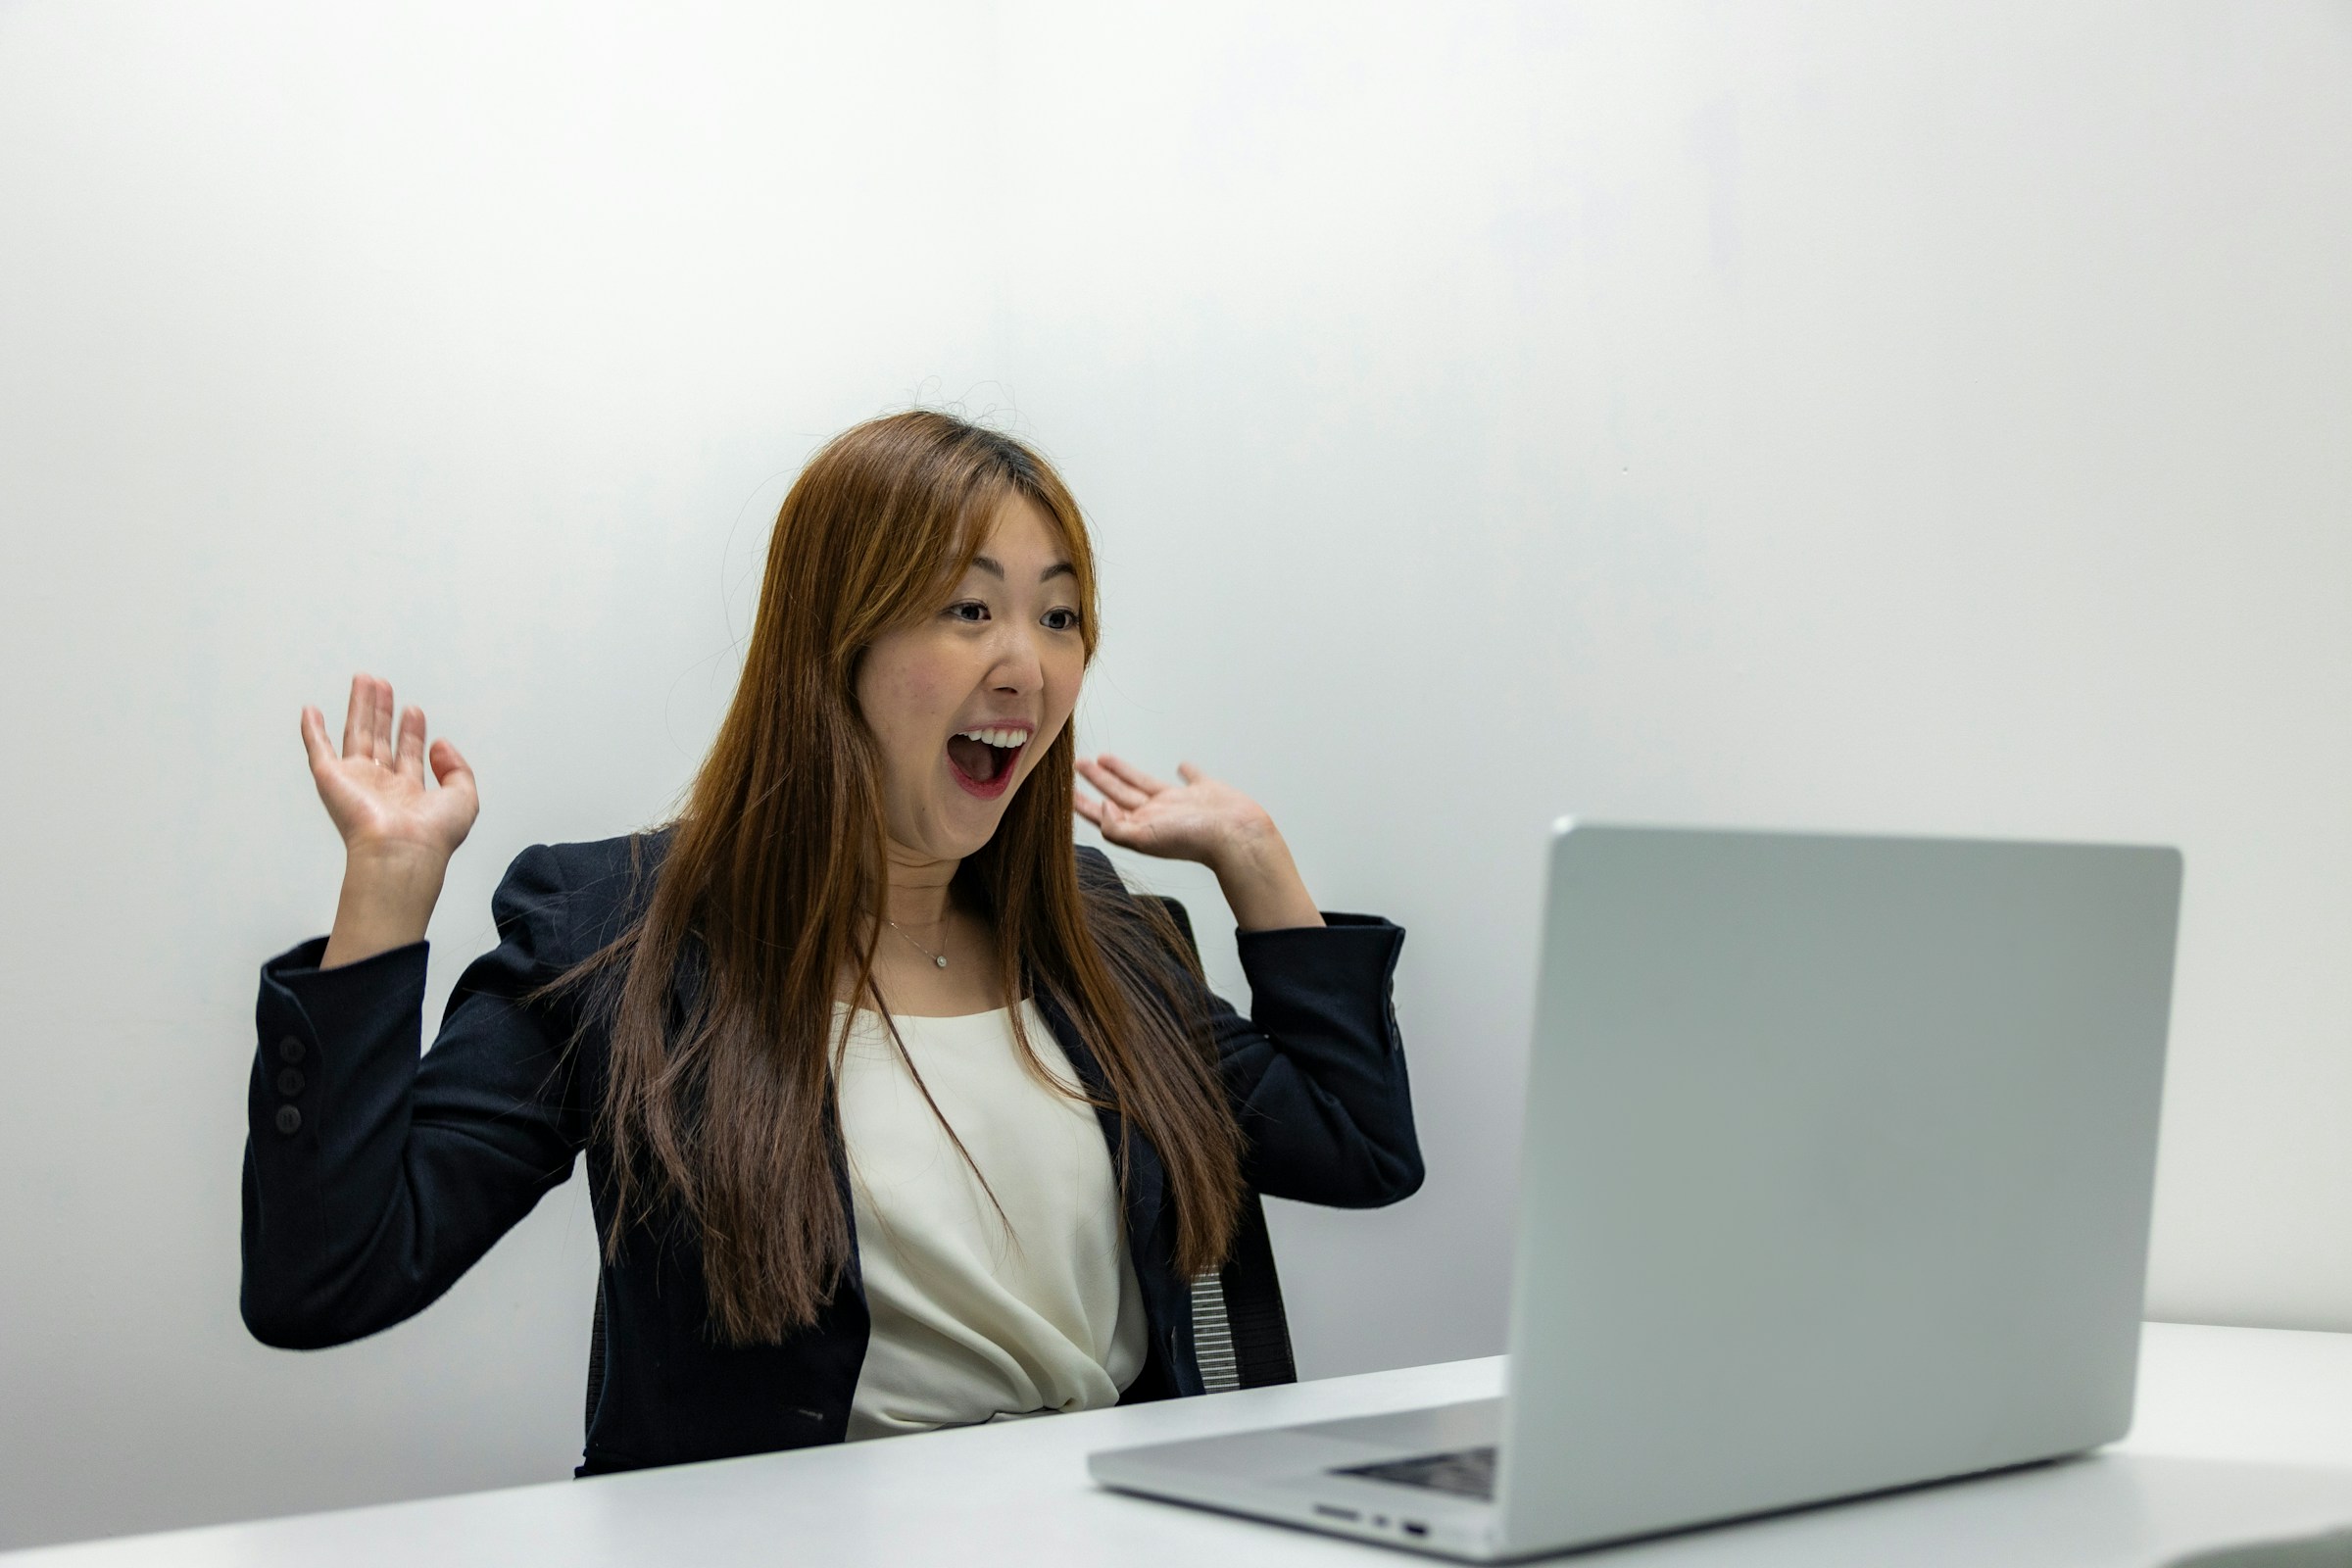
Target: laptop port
[
  {"x": 1330, "y": 1512},
  {"x": 1414, "y": 1526}
]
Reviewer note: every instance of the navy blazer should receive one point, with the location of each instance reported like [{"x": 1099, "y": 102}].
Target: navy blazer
[{"x": 374, "y": 1178}]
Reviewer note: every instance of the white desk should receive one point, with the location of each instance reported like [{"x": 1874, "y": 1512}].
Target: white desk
[{"x": 2242, "y": 1433}]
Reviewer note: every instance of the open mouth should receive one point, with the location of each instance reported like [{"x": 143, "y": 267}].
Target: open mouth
[{"x": 982, "y": 758}]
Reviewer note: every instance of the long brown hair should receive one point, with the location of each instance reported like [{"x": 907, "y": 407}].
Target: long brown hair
[{"x": 719, "y": 1092}]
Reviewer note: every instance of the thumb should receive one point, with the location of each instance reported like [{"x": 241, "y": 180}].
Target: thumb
[
  {"x": 450, "y": 765},
  {"x": 314, "y": 739}
]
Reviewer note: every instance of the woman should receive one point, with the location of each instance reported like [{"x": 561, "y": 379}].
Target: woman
[{"x": 900, "y": 1110}]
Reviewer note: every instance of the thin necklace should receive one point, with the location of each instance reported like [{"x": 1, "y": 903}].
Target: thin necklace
[{"x": 940, "y": 957}]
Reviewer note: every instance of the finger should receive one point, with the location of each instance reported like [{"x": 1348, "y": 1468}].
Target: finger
[
  {"x": 1113, "y": 787},
  {"x": 1123, "y": 828},
  {"x": 1188, "y": 773},
  {"x": 1132, "y": 775},
  {"x": 1113, "y": 824},
  {"x": 447, "y": 760},
  {"x": 381, "y": 733},
  {"x": 1087, "y": 807},
  {"x": 412, "y": 745},
  {"x": 355, "y": 717},
  {"x": 314, "y": 739},
  {"x": 452, "y": 770}
]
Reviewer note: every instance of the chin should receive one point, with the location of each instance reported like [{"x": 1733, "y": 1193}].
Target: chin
[{"x": 954, "y": 836}]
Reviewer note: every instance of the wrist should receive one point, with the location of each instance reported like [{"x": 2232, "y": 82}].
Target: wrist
[
  {"x": 1261, "y": 883},
  {"x": 387, "y": 901},
  {"x": 394, "y": 872},
  {"x": 1249, "y": 852}
]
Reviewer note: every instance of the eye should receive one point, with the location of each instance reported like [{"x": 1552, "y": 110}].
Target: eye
[
  {"x": 1062, "y": 620},
  {"x": 970, "y": 611}
]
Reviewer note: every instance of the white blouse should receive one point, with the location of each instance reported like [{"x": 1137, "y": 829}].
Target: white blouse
[{"x": 978, "y": 1315}]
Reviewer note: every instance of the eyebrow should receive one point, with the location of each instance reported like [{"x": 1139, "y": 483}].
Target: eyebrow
[{"x": 996, "y": 568}]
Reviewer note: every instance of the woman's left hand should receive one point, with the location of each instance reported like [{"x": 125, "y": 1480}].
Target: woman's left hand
[{"x": 1201, "y": 819}]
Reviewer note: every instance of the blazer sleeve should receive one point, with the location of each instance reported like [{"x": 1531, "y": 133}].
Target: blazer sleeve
[
  {"x": 374, "y": 1178},
  {"x": 1315, "y": 1073}
]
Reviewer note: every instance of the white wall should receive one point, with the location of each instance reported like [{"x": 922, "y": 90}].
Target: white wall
[{"x": 1927, "y": 418}]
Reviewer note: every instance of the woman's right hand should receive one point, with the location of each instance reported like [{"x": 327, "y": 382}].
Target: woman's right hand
[{"x": 397, "y": 831}]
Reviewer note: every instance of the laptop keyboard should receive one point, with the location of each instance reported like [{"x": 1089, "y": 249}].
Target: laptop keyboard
[{"x": 1465, "y": 1472}]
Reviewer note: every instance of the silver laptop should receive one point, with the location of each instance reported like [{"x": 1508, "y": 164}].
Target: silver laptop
[{"x": 1836, "y": 1174}]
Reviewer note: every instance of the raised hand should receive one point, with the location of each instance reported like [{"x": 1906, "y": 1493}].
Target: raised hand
[
  {"x": 1201, "y": 819},
  {"x": 376, "y": 791},
  {"x": 1204, "y": 819},
  {"x": 398, "y": 830}
]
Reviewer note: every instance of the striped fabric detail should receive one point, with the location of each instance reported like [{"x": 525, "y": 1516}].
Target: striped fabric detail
[{"x": 1212, "y": 1336}]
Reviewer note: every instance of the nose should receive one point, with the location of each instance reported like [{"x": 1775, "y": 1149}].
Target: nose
[{"x": 1019, "y": 668}]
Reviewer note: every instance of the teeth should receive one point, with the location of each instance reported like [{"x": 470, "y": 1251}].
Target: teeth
[{"x": 1008, "y": 738}]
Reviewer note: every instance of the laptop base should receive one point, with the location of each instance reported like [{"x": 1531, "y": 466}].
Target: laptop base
[{"x": 1313, "y": 1475}]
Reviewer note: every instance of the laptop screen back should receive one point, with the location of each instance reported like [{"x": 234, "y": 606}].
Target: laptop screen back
[{"x": 1837, "y": 1166}]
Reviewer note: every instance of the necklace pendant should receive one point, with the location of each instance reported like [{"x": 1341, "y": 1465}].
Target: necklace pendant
[{"x": 940, "y": 959}]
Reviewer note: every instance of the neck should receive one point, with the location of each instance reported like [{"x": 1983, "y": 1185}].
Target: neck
[{"x": 914, "y": 888}]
